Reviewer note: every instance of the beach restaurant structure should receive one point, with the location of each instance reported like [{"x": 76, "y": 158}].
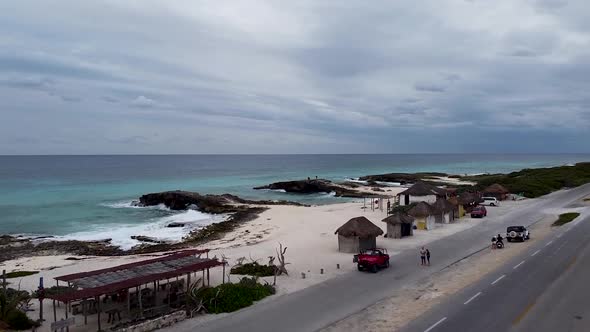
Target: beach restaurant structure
[
  {"x": 399, "y": 225},
  {"x": 357, "y": 234},
  {"x": 136, "y": 290},
  {"x": 421, "y": 192},
  {"x": 496, "y": 190},
  {"x": 424, "y": 216}
]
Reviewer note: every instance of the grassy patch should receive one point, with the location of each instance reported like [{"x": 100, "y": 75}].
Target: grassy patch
[
  {"x": 19, "y": 274},
  {"x": 232, "y": 297},
  {"x": 254, "y": 269},
  {"x": 564, "y": 218},
  {"x": 538, "y": 181}
]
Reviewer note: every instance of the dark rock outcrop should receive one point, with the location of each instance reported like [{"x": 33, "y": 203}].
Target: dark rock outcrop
[
  {"x": 314, "y": 187},
  {"x": 147, "y": 239}
]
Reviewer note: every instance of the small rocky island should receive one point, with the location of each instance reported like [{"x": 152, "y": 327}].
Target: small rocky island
[{"x": 315, "y": 186}]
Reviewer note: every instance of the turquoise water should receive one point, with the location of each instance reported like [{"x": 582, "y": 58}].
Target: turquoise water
[{"x": 88, "y": 197}]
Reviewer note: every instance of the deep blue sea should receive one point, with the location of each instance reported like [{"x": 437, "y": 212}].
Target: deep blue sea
[{"x": 88, "y": 197}]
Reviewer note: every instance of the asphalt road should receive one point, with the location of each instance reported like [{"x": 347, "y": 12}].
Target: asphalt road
[
  {"x": 544, "y": 289},
  {"x": 321, "y": 305}
]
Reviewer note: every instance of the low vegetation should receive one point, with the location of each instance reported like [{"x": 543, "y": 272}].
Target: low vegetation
[
  {"x": 564, "y": 218},
  {"x": 254, "y": 269},
  {"x": 13, "y": 304},
  {"x": 230, "y": 297},
  {"x": 18, "y": 274},
  {"x": 538, "y": 181}
]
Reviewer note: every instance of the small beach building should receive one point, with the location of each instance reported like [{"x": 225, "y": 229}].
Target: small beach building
[
  {"x": 496, "y": 190},
  {"x": 468, "y": 201},
  {"x": 421, "y": 192},
  {"x": 423, "y": 216},
  {"x": 458, "y": 210},
  {"x": 399, "y": 225},
  {"x": 357, "y": 234},
  {"x": 443, "y": 211}
]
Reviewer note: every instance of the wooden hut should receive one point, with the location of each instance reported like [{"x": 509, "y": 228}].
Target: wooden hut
[
  {"x": 496, "y": 190},
  {"x": 399, "y": 224},
  {"x": 421, "y": 192},
  {"x": 468, "y": 201},
  {"x": 442, "y": 211},
  {"x": 423, "y": 216},
  {"x": 458, "y": 210},
  {"x": 357, "y": 234}
]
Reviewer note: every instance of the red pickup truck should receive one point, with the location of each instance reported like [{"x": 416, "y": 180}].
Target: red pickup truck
[{"x": 372, "y": 259}]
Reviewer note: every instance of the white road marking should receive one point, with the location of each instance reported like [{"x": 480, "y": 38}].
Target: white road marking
[
  {"x": 558, "y": 236},
  {"x": 472, "y": 298},
  {"x": 501, "y": 277},
  {"x": 435, "y": 324},
  {"x": 519, "y": 264},
  {"x": 536, "y": 252},
  {"x": 548, "y": 243}
]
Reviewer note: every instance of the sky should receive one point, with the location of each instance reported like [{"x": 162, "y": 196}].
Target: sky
[{"x": 305, "y": 76}]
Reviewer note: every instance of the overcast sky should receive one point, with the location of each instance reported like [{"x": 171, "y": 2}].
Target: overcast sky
[{"x": 305, "y": 76}]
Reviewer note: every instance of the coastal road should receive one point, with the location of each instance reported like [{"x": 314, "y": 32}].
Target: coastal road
[
  {"x": 544, "y": 289},
  {"x": 323, "y": 304}
]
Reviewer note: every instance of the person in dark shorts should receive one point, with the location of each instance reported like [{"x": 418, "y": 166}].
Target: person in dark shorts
[
  {"x": 423, "y": 256},
  {"x": 428, "y": 256}
]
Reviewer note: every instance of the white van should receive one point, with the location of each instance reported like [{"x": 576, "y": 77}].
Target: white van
[{"x": 490, "y": 201}]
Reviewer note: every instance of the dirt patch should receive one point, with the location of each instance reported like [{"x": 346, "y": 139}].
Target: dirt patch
[{"x": 393, "y": 313}]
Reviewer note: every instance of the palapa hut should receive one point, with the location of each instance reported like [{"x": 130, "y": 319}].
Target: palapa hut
[
  {"x": 421, "y": 192},
  {"x": 399, "y": 224},
  {"x": 443, "y": 211},
  {"x": 467, "y": 201},
  {"x": 496, "y": 190},
  {"x": 423, "y": 216},
  {"x": 357, "y": 234},
  {"x": 458, "y": 210}
]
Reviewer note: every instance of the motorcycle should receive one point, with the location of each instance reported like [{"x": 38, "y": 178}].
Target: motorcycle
[{"x": 499, "y": 244}]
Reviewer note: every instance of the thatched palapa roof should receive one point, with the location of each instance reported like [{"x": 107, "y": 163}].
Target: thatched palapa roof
[
  {"x": 420, "y": 210},
  {"x": 423, "y": 189},
  {"x": 496, "y": 189},
  {"x": 468, "y": 198},
  {"x": 399, "y": 218},
  {"x": 359, "y": 227},
  {"x": 442, "y": 206},
  {"x": 454, "y": 201}
]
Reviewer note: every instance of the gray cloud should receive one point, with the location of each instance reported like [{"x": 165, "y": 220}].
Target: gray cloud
[{"x": 306, "y": 76}]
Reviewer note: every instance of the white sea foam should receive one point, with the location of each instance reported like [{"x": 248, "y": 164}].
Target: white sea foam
[
  {"x": 156, "y": 228},
  {"x": 356, "y": 180},
  {"x": 389, "y": 184},
  {"x": 132, "y": 205}
]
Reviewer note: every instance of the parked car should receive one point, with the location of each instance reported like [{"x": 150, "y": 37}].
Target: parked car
[
  {"x": 517, "y": 233},
  {"x": 479, "y": 212},
  {"x": 372, "y": 259},
  {"x": 490, "y": 201}
]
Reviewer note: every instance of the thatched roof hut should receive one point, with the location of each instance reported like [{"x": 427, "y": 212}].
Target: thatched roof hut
[
  {"x": 399, "y": 224},
  {"x": 421, "y": 210},
  {"x": 468, "y": 198},
  {"x": 357, "y": 234},
  {"x": 442, "y": 206},
  {"x": 424, "y": 189},
  {"x": 359, "y": 227},
  {"x": 454, "y": 201},
  {"x": 496, "y": 190}
]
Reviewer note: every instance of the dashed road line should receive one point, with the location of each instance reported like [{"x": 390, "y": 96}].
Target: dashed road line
[
  {"x": 548, "y": 243},
  {"x": 517, "y": 265},
  {"x": 536, "y": 252},
  {"x": 472, "y": 298},
  {"x": 501, "y": 277},
  {"x": 435, "y": 324}
]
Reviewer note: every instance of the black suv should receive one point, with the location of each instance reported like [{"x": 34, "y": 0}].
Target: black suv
[{"x": 517, "y": 233}]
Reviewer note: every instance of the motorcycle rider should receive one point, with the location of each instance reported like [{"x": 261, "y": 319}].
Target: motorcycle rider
[
  {"x": 494, "y": 239},
  {"x": 500, "y": 239}
]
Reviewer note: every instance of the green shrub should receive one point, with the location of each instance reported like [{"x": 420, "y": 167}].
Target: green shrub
[
  {"x": 564, "y": 218},
  {"x": 53, "y": 290},
  {"x": 18, "y": 274},
  {"x": 11, "y": 300},
  {"x": 254, "y": 269},
  {"x": 18, "y": 320},
  {"x": 232, "y": 297}
]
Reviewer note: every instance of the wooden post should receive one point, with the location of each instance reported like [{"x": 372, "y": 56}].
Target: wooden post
[
  {"x": 223, "y": 277},
  {"x": 84, "y": 305},
  {"x": 54, "y": 312},
  {"x": 208, "y": 280},
  {"x": 57, "y": 291},
  {"x": 155, "y": 295},
  {"x": 140, "y": 304},
  {"x": 128, "y": 303},
  {"x": 203, "y": 280},
  {"x": 98, "y": 304},
  {"x": 67, "y": 306}
]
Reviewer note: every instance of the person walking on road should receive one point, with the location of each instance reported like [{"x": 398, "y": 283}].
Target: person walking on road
[
  {"x": 423, "y": 256},
  {"x": 428, "y": 256}
]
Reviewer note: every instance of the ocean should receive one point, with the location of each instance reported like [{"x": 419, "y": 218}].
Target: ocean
[{"x": 89, "y": 197}]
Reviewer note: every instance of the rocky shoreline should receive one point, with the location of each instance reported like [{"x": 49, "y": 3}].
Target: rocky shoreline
[{"x": 317, "y": 186}]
